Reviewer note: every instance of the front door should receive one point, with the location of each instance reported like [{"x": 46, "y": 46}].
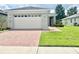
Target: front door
[{"x": 50, "y": 21}]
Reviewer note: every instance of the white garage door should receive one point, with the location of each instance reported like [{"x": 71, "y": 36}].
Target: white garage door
[{"x": 27, "y": 23}]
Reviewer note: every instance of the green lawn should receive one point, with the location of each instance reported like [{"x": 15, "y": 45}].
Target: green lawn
[{"x": 69, "y": 36}]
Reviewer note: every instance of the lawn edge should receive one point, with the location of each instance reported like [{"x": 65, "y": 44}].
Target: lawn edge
[{"x": 58, "y": 46}]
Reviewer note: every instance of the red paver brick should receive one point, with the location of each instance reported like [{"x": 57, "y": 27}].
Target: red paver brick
[{"x": 20, "y": 38}]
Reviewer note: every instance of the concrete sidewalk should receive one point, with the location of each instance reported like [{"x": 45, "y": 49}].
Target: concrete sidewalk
[
  {"x": 38, "y": 50},
  {"x": 17, "y": 50},
  {"x": 58, "y": 50},
  {"x": 54, "y": 29}
]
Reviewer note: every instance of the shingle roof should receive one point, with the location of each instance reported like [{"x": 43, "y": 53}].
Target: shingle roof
[
  {"x": 2, "y": 13},
  {"x": 30, "y": 7},
  {"x": 73, "y": 16}
]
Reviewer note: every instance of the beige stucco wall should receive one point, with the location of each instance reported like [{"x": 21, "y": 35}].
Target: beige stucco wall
[{"x": 45, "y": 21}]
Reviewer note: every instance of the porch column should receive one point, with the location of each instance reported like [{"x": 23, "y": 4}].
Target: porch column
[{"x": 54, "y": 19}]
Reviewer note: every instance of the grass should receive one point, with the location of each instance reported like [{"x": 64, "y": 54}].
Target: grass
[{"x": 69, "y": 36}]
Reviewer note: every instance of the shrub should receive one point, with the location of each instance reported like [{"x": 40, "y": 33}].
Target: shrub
[
  {"x": 8, "y": 28},
  {"x": 1, "y": 29},
  {"x": 3, "y": 22},
  {"x": 4, "y": 29},
  {"x": 58, "y": 25},
  {"x": 75, "y": 24}
]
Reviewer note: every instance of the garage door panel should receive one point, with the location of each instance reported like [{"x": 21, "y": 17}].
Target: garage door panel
[{"x": 27, "y": 23}]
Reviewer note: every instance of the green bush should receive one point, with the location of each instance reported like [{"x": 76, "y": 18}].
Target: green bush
[
  {"x": 75, "y": 24},
  {"x": 8, "y": 28},
  {"x": 1, "y": 29},
  {"x": 58, "y": 25}
]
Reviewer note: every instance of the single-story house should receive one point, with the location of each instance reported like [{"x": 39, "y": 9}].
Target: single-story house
[
  {"x": 3, "y": 19},
  {"x": 71, "y": 20},
  {"x": 30, "y": 18},
  {"x": 2, "y": 13}
]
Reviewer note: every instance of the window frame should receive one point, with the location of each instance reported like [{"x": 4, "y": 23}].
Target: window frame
[
  {"x": 71, "y": 20},
  {"x": 15, "y": 16}
]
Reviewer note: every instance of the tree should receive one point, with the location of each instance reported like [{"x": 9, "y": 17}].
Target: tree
[
  {"x": 2, "y": 22},
  {"x": 72, "y": 11},
  {"x": 60, "y": 11}
]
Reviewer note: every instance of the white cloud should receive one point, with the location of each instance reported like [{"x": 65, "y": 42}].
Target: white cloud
[
  {"x": 7, "y": 6},
  {"x": 34, "y": 5},
  {"x": 73, "y": 6},
  {"x": 25, "y": 5},
  {"x": 4, "y": 6}
]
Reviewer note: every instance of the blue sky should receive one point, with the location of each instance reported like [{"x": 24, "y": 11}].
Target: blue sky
[{"x": 51, "y": 6}]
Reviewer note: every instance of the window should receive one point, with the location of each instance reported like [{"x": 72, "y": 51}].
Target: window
[
  {"x": 71, "y": 20},
  {"x": 22, "y": 16},
  {"x": 36, "y": 15},
  {"x": 74, "y": 19},
  {"x": 25, "y": 15},
  {"x": 28, "y": 15},
  {"x": 18, "y": 15},
  {"x": 15, "y": 15},
  {"x": 32, "y": 15},
  {"x": 65, "y": 21},
  {"x": 39, "y": 15}
]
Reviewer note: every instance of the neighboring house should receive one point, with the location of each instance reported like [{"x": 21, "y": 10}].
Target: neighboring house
[
  {"x": 71, "y": 20},
  {"x": 3, "y": 19},
  {"x": 2, "y": 13},
  {"x": 30, "y": 18}
]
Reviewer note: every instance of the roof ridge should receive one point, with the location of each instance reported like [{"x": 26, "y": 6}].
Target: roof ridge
[
  {"x": 75, "y": 15},
  {"x": 29, "y": 7}
]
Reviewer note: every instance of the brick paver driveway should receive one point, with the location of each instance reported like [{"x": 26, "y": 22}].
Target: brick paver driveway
[{"x": 20, "y": 38}]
